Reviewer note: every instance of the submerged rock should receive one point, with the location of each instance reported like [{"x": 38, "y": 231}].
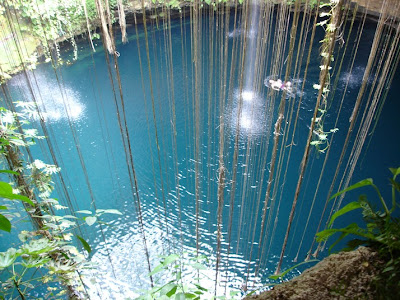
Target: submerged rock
[{"x": 346, "y": 275}]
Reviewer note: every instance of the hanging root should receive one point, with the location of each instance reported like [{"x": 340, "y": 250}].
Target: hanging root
[
  {"x": 106, "y": 35},
  {"x": 122, "y": 21}
]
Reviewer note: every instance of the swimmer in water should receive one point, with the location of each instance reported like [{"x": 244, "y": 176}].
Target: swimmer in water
[
  {"x": 278, "y": 85},
  {"x": 288, "y": 87}
]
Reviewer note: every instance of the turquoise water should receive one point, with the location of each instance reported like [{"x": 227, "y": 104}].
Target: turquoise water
[{"x": 81, "y": 110}]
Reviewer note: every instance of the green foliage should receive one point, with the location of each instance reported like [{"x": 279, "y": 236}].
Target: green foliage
[
  {"x": 84, "y": 244},
  {"x": 182, "y": 277},
  {"x": 177, "y": 287},
  {"x": 284, "y": 273},
  {"x": 5, "y": 224},
  {"x": 320, "y": 135},
  {"x": 91, "y": 219},
  {"x": 382, "y": 233},
  {"x": 49, "y": 246}
]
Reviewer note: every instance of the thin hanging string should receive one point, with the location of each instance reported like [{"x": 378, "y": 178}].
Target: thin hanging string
[
  {"x": 294, "y": 127},
  {"x": 174, "y": 131},
  {"x": 355, "y": 47},
  {"x": 381, "y": 104},
  {"x": 42, "y": 122},
  {"x": 148, "y": 129},
  {"x": 211, "y": 72},
  {"x": 283, "y": 23},
  {"x": 369, "y": 110},
  {"x": 286, "y": 126},
  {"x": 254, "y": 89},
  {"x": 224, "y": 38},
  {"x": 354, "y": 55},
  {"x": 214, "y": 17},
  {"x": 154, "y": 26},
  {"x": 284, "y": 145},
  {"x": 159, "y": 66},
  {"x": 126, "y": 141},
  {"x": 251, "y": 156},
  {"x": 372, "y": 104},
  {"x": 277, "y": 49},
  {"x": 262, "y": 161},
  {"x": 366, "y": 122},
  {"x": 323, "y": 79},
  {"x": 81, "y": 159},
  {"x": 102, "y": 117},
  {"x": 154, "y": 117},
  {"x": 247, "y": 10},
  {"x": 352, "y": 120},
  {"x": 196, "y": 58},
  {"x": 224, "y": 29}
]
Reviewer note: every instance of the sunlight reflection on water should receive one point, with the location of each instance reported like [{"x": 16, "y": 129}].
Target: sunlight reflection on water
[{"x": 55, "y": 103}]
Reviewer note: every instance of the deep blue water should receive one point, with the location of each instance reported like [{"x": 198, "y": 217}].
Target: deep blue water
[{"x": 85, "y": 92}]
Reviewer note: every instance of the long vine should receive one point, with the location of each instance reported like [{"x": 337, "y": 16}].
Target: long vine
[
  {"x": 331, "y": 25},
  {"x": 49, "y": 244}
]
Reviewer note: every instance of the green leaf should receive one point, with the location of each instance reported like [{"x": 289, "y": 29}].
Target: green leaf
[
  {"x": 349, "y": 207},
  {"x": 199, "y": 266},
  {"x": 387, "y": 269},
  {"x": 282, "y": 274},
  {"x": 87, "y": 212},
  {"x": 69, "y": 217},
  {"x": 157, "y": 269},
  {"x": 357, "y": 185},
  {"x": 36, "y": 247},
  {"x": 7, "y": 258},
  {"x": 35, "y": 262},
  {"x": 351, "y": 229},
  {"x": 5, "y": 224},
  {"x": 341, "y": 237},
  {"x": 90, "y": 220},
  {"x": 109, "y": 211},
  {"x": 170, "y": 259},
  {"x": 22, "y": 198},
  {"x": 395, "y": 184},
  {"x": 180, "y": 296},
  {"x": 6, "y": 191},
  {"x": 353, "y": 244},
  {"x": 201, "y": 288},
  {"x": 172, "y": 290},
  {"x": 3, "y": 207},
  {"x": 9, "y": 172},
  {"x": 178, "y": 275},
  {"x": 85, "y": 244},
  {"x": 395, "y": 171}
]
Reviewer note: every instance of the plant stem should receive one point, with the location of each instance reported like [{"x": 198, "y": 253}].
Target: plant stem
[
  {"x": 18, "y": 289},
  {"x": 382, "y": 200}
]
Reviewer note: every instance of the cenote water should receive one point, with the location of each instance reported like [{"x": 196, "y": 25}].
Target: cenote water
[{"x": 81, "y": 113}]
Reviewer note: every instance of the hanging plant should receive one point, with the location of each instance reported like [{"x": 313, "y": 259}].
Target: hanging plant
[
  {"x": 330, "y": 25},
  {"x": 49, "y": 245}
]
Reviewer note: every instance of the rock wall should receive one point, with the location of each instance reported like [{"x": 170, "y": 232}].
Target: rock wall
[{"x": 347, "y": 275}]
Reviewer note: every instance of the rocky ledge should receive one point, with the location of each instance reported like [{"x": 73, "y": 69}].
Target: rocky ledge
[{"x": 346, "y": 275}]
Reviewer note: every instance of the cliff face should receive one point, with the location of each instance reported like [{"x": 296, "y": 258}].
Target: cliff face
[{"x": 347, "y": 275}]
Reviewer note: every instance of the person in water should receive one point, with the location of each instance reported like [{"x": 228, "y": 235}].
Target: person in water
[{"x": 278, "y": 85}]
